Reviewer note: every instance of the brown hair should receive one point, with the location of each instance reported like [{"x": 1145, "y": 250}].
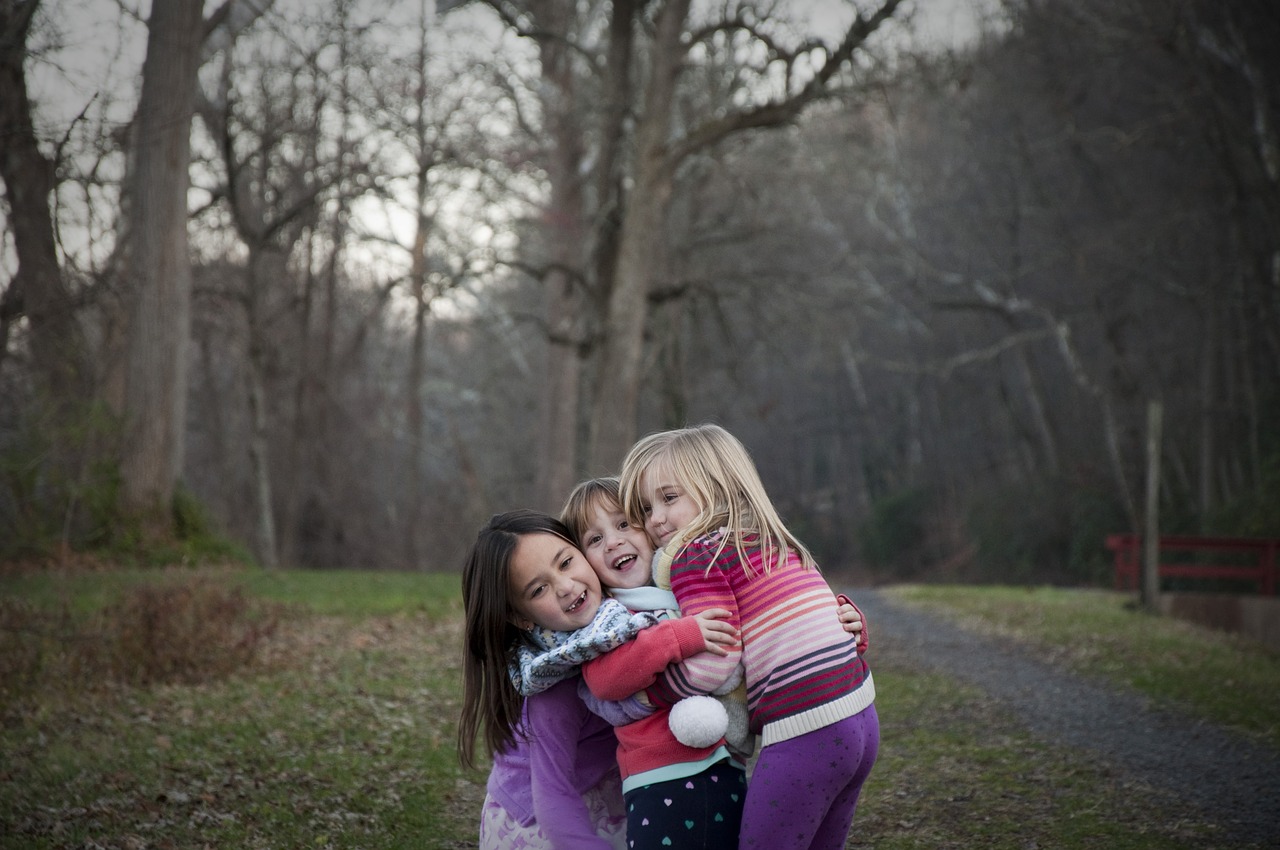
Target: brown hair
[
  {"x": 489, "y": 699},
  {"x": 584, "y": 498}
]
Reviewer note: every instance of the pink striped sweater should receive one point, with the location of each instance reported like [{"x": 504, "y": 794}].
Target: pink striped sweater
[{"x": 802, "y": 669}]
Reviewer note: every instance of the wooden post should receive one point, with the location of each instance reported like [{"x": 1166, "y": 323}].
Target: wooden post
[{"x": 1151, "y": 532}]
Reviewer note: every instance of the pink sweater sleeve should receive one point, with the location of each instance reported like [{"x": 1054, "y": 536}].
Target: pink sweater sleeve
[
  {"x": 636, "y": 664},
  {"x": 698, "y": 588}
]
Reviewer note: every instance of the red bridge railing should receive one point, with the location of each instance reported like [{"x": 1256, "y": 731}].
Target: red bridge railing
[{"x": 1244, "y": 559}]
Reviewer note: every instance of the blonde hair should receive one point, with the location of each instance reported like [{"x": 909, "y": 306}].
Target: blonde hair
[
  {"x": 584, "y": 498},
  {"x": 716, "y": 470}
]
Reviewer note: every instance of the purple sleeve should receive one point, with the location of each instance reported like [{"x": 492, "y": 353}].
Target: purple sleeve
[{"x": 556, "y": 720}]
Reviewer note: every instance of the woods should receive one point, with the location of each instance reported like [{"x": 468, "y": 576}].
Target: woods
[{"x": 337, "y": 282}]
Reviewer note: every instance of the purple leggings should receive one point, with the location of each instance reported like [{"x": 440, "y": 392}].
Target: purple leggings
[{"x": 804, "y": 790}]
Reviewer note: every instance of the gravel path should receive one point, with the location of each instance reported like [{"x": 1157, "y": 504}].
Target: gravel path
[{"x": 1235, "y": 781}]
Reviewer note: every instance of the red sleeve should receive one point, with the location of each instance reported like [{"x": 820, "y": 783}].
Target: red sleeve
[{"x": 636, "y": 664}]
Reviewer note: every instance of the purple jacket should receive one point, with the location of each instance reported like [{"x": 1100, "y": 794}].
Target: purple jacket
[{"x": 542, "y": 779}]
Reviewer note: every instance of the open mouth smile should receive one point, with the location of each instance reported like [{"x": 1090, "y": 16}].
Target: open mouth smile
[
  {"x": 623, "y": 563},
  {"x": 577, "y": 603}
]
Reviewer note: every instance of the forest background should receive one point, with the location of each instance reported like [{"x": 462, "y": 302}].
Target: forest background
[{"x": 324, "y": 285}]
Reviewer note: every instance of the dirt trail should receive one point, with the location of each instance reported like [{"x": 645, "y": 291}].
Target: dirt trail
[{"x": 1233, "y": 780}]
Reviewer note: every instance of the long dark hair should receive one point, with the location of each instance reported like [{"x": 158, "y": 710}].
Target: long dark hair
[{"x": 489, "y": 700}]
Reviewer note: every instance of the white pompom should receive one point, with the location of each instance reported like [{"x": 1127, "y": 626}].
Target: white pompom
[{"x": 698, "y": 721}]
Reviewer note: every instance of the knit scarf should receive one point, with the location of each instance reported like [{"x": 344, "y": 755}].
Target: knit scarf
[{"x": 548, "y": 657}]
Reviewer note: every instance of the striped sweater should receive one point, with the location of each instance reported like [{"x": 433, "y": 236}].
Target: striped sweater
[{"x": 802, "y": 669}]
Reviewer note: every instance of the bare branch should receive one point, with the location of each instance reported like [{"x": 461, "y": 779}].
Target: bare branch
[{"x": 779, "y": 112}]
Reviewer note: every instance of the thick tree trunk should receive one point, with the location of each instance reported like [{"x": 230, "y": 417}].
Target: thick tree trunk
[
  {"x": 616, "y": 400},
  {"x": 158, "y": 271},
  {"x": 266, "y": 544},
  {"x": 38, "y": 290},
  {"x": 565, "y": 307},
  {"x": 259, "y": 464}
]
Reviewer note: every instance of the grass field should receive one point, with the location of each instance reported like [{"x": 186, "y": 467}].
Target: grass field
[{"x": 340, "y": 733}]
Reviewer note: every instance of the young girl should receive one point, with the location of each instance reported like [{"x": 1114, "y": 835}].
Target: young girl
[
  {"x": 665, "y": 775},
  {"x": 677, "y": 795},
  {"x": 809, "y": 693},
  {"x": 554, "y": 782}
]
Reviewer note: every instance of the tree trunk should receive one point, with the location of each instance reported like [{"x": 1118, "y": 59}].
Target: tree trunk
[
  {"x": 266, "y": 546},
  {"x": 414, "y": 401},
  {"x": 158, "y": 271},
  {"x": 38, "y": 290},
  {"x": 615, "y": 402},
  {"x": 259, "y": 465},
  {"x": 1151, "y": 520},
  {"x": 565, "y": 307}
]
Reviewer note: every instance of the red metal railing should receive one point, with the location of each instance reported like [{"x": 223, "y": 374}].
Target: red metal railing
[{"x": 1261, "y": 570}]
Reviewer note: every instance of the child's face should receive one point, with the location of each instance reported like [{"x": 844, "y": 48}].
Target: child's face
[
  {"x": 668, "y": 508},
  {"x": 618, "y": 551},
  {"x": 552, "y": 585}
]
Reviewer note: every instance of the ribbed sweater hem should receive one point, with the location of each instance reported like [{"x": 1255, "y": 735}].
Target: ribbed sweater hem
[{"x": 816, "y": 718}]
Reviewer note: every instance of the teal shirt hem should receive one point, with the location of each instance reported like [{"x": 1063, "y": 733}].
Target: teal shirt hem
[{"x": 679, "y": 770}]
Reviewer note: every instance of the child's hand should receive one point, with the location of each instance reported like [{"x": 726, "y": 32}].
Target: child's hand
[
  {"x": 717, "y": 634},
  {"x": 851, "y": 619}
]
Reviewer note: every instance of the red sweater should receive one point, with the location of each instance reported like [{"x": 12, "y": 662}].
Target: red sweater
[{"x": 648, "y": 744}]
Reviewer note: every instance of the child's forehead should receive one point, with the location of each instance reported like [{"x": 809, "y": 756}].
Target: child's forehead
[
  {"x": 660, "y": 473},
  {"x": 604, "y": 502}
]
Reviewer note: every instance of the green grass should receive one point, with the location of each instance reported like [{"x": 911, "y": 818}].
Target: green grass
[
  {"x": 953, "y": 772},
  {"x": 342, "y": 736},
  {"x": 1221, "y": 677},
  {"x": 349, "y": 593}
]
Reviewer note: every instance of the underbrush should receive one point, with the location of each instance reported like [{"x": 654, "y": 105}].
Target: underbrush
[{"x": 184, "y": 629}]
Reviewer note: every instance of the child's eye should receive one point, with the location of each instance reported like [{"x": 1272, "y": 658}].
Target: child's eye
[
  {"x": 668, "y": 498},
  {"x": 564, "y": 565},
  {"x": 593, "y": 539},
  {"x": 624, "y": 525},
  {"x": 537, "y": 591},
  {"x": 647, "y": 509}
]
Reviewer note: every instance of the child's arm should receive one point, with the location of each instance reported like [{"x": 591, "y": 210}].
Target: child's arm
[
  {"x": 636, "y": 664},
  {"x": 698, "y": 586},
  {"x": 555, "y": 726},
  {"x": 558, "y": 655}
]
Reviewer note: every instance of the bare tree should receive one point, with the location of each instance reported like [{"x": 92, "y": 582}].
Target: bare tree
[
  {"x": 636, "y": 180},
  {"x": 38, "y": 289},
  {"x": 156, "y": 265}
]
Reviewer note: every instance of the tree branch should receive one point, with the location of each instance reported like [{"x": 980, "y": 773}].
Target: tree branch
[{"x": 779, "y": 112}]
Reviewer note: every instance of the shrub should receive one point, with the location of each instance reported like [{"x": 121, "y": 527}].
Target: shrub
[
  {"x": 892, "y": 535},
  {"x": 187, "y": 632},
  {"x": 29, "y": 638},
  {"x": 1044, "y": 531}
]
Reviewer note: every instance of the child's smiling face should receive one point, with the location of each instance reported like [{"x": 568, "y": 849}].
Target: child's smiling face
[
  {"x": 552, "y": 585},
  {"x": 668, "y": 507},
  {"x": 619, "y": 552}
]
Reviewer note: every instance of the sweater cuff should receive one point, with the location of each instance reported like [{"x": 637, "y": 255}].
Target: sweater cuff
[{"x": 689, "y": 637}]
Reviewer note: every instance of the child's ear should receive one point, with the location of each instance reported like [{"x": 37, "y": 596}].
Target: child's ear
[{"x": 522, "y": 623}]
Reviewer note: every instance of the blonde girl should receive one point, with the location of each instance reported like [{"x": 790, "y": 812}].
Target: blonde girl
[{"x": 810, "y": 694}]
